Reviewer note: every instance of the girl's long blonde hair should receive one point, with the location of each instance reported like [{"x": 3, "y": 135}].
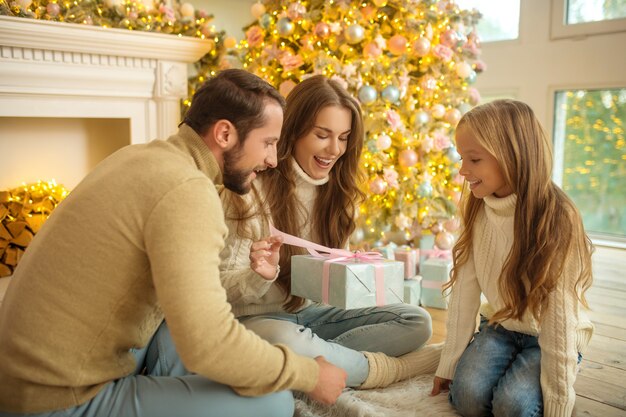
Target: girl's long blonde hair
[
  {"x": 332, "y": 217},
  {"x": 548, "y": 229}
]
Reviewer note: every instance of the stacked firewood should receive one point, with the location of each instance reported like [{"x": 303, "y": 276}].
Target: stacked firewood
[{"x": 23, "y": 211}]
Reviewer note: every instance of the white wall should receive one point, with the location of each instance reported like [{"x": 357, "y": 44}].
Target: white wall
[
  {"x": 533, "y": 67},
  {"x": 229, "y": 15}
]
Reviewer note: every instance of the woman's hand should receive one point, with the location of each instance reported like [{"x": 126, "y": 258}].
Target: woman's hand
[
  {"x": 264, "y": 256},
  {"x": 440, "y": 385}
]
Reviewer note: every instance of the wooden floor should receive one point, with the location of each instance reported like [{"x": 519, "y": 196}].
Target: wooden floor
[{"x": 601, "y": 383}]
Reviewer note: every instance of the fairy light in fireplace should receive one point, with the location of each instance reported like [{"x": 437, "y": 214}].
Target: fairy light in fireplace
[{"x": 23, "y": 210}]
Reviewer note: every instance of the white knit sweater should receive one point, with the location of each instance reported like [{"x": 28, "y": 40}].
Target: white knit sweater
[
  {"x": 564, "y": 330},
  {"x": 247, "y": 291}
]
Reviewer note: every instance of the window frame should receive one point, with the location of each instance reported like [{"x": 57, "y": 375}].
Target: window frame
[
  {"x": 558, "y": 148},
  {"x": 560, "y": 29}
]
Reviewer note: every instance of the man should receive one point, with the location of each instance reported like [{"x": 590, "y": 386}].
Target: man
[{"x": 138, "y": 241}]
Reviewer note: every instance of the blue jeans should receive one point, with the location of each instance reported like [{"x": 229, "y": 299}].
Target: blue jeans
[
  {"x": 498, "y": 374},
  {"x": 341, "y": 335},
  {"x": 160, "y": 386}
]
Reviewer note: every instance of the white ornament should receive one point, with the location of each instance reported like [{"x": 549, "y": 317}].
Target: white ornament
[
  {"x": 187, "y": 10},
  {"x": 257, "y": 10},
  {"x": 24, "y": 4}
]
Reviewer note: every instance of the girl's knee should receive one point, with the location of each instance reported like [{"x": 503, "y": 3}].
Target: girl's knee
[
  {"x": 517, "y": 402},
  {"x": 471, "y": 398}
]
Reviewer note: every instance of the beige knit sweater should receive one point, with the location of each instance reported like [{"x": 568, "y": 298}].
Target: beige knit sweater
[
  {"x": 136, "y": 241},
  {"x": 564, "y": 331},
  {"x": 247, "y": 291}
]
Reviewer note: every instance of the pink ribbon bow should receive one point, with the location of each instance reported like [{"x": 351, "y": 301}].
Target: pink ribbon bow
[
  {"x": 337, "y": 255},
  {"x": 436, "y": 253}
]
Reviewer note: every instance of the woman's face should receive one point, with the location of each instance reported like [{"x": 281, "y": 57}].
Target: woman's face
[{"x": 317, "y": 151}]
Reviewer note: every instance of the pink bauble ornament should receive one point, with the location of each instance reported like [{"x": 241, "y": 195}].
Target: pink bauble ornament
[
  {"x": 463, "y": 69},
  {"x": 453, "y": 116},
  {"x": 295, "y": 10},
  {"x": 322, "y": 30},
  {"x": 378, "y": 185},
  {"x": 421, "y": 47},
  {"x": 438, "y": 111},
  {"x": 474, "y": 96},
  {"x": 230, "y": 42},
  {"x": 53, "y": 9},
  {"x": 372, "y": 50},
  {"x": 452, "y": 225},
  {"x": 397, "y": 44},
  {"x": 436, "y": 228},
  {"x": 444, "y": 240},
  {"x": 187, "y": 10},
  {"x": 257, "y": 10},
  {"x": 407, "y": 158},
  {"x": 383, "y": 142},
  {"x": 449, "y": 38}
]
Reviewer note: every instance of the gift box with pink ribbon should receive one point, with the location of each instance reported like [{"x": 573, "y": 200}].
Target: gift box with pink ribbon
[
  {"x": 435, "y": 273},
  {"x": 342, "y": 278},
  {"x": 347, "y": 283},
  {"x": 387, "y": 250},
  {"x": 410, "y": 258},
  {"x": 413, "y": 290}
]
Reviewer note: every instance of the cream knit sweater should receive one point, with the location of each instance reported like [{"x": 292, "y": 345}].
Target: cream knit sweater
[
  {"x": 564, "y": 331},
  {"x": 247, "y": 291},
  {"x": 136, "y": 241}
]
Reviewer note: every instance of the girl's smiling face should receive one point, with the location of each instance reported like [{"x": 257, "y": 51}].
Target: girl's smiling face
[{"x": 480, "y": 169}]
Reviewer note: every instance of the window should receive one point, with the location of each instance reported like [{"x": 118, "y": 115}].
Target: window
[
  {"x": 500, "y": 20},
  {"x": 571, "y": 18},
  {"x": 590, "y": 155}
]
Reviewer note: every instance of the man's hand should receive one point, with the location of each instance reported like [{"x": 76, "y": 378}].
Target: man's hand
[
  {"x": 330, "y": 384},
  {"x": 440, "y": 385},
  {"x": 264, "y": 256}
]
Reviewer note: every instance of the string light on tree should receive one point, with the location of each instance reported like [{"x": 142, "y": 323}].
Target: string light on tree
[{"x": 411, "y": 64}]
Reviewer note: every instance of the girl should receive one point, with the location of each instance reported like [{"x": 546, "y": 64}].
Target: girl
[
  {"x": 313, "y": 194},
  {"x": 524, "y": 248}
]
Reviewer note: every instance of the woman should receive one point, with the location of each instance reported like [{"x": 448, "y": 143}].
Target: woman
[{"x": 313, "y": 193}]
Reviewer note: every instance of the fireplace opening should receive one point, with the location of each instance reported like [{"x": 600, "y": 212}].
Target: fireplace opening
[{"x": 63, "y": 149}]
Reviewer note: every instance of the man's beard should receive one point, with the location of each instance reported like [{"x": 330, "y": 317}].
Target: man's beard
[{"x": 235, "y": 179}]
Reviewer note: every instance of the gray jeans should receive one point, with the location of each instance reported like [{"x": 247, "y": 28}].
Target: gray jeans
[{"x": 342, "y": 335}]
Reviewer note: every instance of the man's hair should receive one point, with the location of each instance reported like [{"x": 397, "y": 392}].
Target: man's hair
[{"x": 234, "y": 95}]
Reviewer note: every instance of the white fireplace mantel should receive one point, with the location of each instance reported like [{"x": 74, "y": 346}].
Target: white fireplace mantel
[{"x": 52, "y": 69}]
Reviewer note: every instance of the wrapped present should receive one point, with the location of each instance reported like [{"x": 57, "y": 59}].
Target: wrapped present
[
  {"x": 409, "y": 257},
  {"x": 435, "y": 273},
  {"x": 413, "y": 290},
  {"x": 427, "y": 242},
  {"x": 387, "y": 250},
  {"x": 341, "y": 278},
  {"x": 347, "y": 283}
]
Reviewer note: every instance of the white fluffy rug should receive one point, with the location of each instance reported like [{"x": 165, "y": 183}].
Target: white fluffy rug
[{"x": 410, "y": 398}]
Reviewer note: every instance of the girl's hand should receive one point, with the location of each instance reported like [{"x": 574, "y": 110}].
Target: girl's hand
[
  {"x": 264, "y": 256},
  {"x": 440, "y": 385}
]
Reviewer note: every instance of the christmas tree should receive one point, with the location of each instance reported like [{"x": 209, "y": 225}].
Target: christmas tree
[{"x": 411, "y": 64}]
